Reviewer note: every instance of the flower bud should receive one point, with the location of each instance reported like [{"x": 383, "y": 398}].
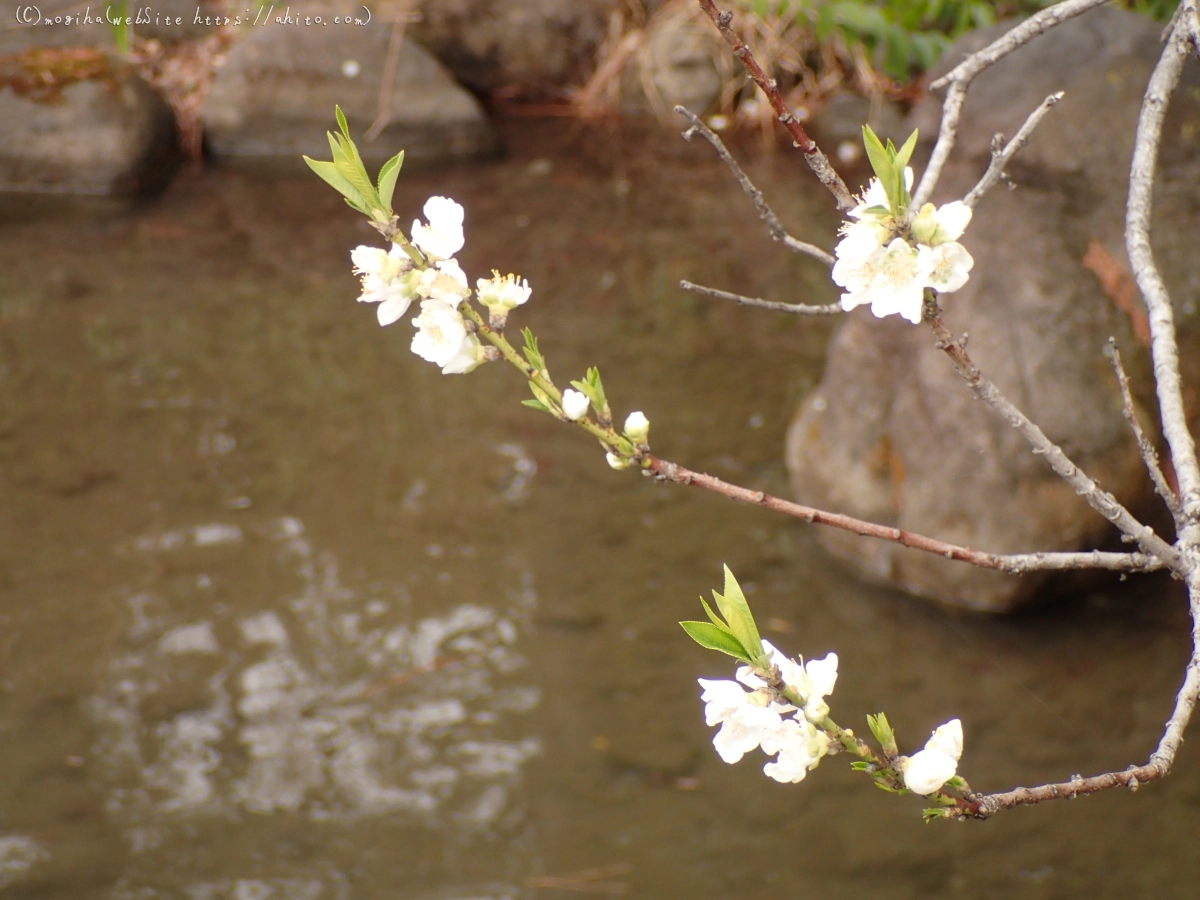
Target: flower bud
[
  {"x": 617, "y": 462},
  {"x": 574, "y": 404},
  {"x": 637, "y": 427}
]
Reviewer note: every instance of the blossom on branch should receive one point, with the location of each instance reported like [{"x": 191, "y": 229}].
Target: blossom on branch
[
  {"x": 502, "y": 292},
  {"x": 888, "y": 260},
  {"x": 574, "y": 404},
  {"x": 637, "y": 427},
  {"x": 744, "y": 723},
  {"x": 800, "y": 746},
  {"x": 442, "y": 339},
  {"x": 443, "y": 236},
  {"x": 927, "y": 770},
  {"x": 382, "y": 280}
]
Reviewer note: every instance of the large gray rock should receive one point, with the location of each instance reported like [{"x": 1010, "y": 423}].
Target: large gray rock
[
  {"x": 892, "y": 434},
  {"x": 491, "y": 44},
  {"x": 276, "y": 93},
  {"x": 104, "y": 133}
]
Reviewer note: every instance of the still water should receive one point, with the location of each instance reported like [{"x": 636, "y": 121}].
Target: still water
[{"x": 285, "y": 614}]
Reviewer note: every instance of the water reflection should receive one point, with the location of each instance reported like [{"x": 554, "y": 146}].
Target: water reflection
[{"x": 326, "y": 705}]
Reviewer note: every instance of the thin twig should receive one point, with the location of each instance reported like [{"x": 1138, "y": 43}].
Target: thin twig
[
  {"x": 817, "y": 161},
  {"x": 1014, "y": 563},
  {"x": 1192, "y": 14},
  {"x": 778, "y": 232},
  {"x": 1149, "y": 454},
  {"x": 1163, "y": 347},
  {"x": 1101, "y": 501},
  {"x": 800, "y": 309},
  {"x": 1002, "y": 157},
  {"x": 961, "y": 76}
]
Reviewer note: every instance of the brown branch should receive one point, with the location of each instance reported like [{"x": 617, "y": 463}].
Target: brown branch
[
  {"x": 1101, "y": 501},
  {"x": 1159, "y": 765},
  {"x": 1015, "y": 563},
  {"x": 960, "y": 77},
  {"x": 1149, "y": 454},
  {"x": 1002, "y": 156},
  {"x": 817, "y": 161},
  {"x": 801, "y": 309},
  {"x": 778, "y": 232}
]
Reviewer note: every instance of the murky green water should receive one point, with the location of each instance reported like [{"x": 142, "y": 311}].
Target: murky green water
[{"x": 239, "y": 523}]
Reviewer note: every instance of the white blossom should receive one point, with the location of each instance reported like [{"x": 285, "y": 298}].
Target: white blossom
[
  {"x": 800, "y": 746},
  {"x": 443, "y": 236},
  {"x": 891, "y": 281},
  {"x": 927, "y": 770},
  {"x": 444, "y": 281},
  {"x": 813, "y": 681},
  {"x": 502, "y": 291},
  {"x": 382, "y": 280},
  {"x": 744, "y": 724},
  {"x": 468, "y": 358},
  {"x": 637, "y": 427},
  {"x": 944, "y": 267},
  {"x": 441, "y": 333},
  {"x": 574, "y": 404}
]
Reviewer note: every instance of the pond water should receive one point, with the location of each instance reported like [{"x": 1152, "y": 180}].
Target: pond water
[{"x": 285, "y": 614}]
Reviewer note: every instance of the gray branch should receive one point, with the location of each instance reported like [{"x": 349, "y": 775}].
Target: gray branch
[
  {"x": 1101, "y": 501},
  {"x": 778, "y": 232},
  {"x": 961, "y": 76},
  {"x": 1002, "y": 156},
  {"x": 1163, "y": 346},
  {"x": 1149, "y": 454},
  {"x": 1017, "y": 563},
  {"x": 800, "y": 309}
]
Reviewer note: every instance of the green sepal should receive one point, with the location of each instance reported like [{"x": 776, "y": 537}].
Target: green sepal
[
  {"x": 713, "y": 638},
  {"x": 931, "y": 813},
  {"x": 536, "y": 404},
  {"x": 890, "y": 789},
  {"x": 737, "y": 613},
  {"x": 387, "y": 179},
  {"x": 862, "y": 766}
]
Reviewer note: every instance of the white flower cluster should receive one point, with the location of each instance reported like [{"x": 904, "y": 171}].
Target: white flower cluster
[
  {"x": 888, "y": 262},
  {"x": 750, "y": 719},
  {"x": 391, "y": 279},
  {"x": 927, "y": 770}
]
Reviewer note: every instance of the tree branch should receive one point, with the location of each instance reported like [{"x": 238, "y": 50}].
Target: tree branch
[
  {"x": 1015, "y": 563},
  {"x": 1149, "y": 454},
  {"x": 1002, "y": 157},
  {"x": 960, "y": 77},
  {"x": 1158, "y": 766},
  {"x": 778, "y": 232},
  {"x": 801, "y": 309},
  {"x": 1101, "y": 501},
  {"x": 817, "y": 161},
  {"x": 1163, "y": 347}
]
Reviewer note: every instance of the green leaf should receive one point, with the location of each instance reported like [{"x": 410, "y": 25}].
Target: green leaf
[
  {"x": 713, "y": 638},
  {"x": 341, "y": 120},
  {"x": 531, "y": 351},
  {"x": 882, "y": 730},
  {"x": 903, "y": 155},
  {"x": 536, "y": 404},
  {"x": 330, "y": 175},
  {"x": 712, "y": 616},
  {"x": 541, "y": 396},
  {"x": 736, "y": 611},
  {"x": 861, "y": 766},
  {"x": 934, "y": 813},
  {"x": 880, "y": 161},
  {"x": 387, "y": 179}
]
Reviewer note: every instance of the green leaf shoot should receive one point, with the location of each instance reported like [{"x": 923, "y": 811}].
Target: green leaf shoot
[
  {"x": 736, "y": 611},
  {"x": 711, "y": 637},
  {"x": 387, "y": 179}
]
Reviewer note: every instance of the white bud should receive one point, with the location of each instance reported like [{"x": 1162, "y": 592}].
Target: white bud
[
  {"x": 617, "y": 462},
  {"x": 637, "y": 427},
  {"x": 574, "y": 404}
]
